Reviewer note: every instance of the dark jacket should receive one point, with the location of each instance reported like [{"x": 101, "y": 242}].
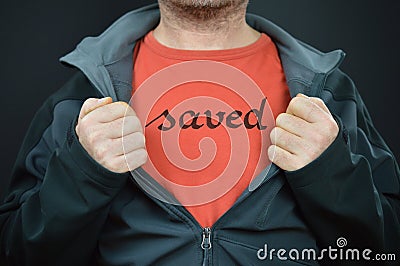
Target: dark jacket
[{"x": 65, "y": 209}]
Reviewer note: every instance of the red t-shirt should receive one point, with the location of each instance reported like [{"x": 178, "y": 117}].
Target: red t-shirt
[{"x": 259, "y": 61}]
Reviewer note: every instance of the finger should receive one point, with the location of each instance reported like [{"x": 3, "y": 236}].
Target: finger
[
  {"x": 126, "y": 162},
  {"x": 134, "y": 159},
  {"x": 305, "y": 109},
  {"x": 132, "y": 142},
  {"x": 121, "y": 146},
  {"x": 121, "y": 127},
  {"x": 281, "y": 158},
  {"x": 286, "y": 140},
  {"x": 92, "y": 104},
  {"x": 317, "y": 101},
  {"x": 111, "y": 112},
  {"x": 293, "y": 124}
]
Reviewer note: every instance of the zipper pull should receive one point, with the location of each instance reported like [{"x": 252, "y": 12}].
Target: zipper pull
[{"x": 206, "y": 243}]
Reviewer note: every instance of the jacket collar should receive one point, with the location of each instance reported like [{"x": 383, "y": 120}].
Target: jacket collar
[{"x": 106, "y": 60}]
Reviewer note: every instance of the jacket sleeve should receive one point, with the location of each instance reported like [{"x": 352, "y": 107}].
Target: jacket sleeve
[
  {"x": 58, "y": 197},
  {"x": 352, "y": 190}
]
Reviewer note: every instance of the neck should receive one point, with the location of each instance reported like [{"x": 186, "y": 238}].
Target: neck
[{"x": 204, "y": 28}]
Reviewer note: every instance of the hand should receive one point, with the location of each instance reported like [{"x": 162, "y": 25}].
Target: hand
[
  {"x": 302, "y": 134},
  {"x": 112, "y": 134}
]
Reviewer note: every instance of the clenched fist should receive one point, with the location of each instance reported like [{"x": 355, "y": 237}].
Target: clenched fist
[
  {"x": 302, "y": 134},
  {"x": 112, "y": 134}
]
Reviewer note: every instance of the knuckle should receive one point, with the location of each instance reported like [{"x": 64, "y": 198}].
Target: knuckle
[
  {"x": 274, "y": 135},
  {"x": 296, "y": 101},
  {"x": 100, "y": 153},
  {"x": 140, "y": 158},
  {"x": 83, "y": 123},
  {"x": 279, "y": 118},
  {"x": 319, "y": 100},
  {"x": 115, "y": 108},
  {"x": 333, "y": 126},
  {"x": 108, "y": 165},
  {"x": 88, "y": 101},
  {"x": 296, "y": 165},
  {"x": 309, "y": 156},
  {"x": 322, "y": 103},
  {"x": 86, "y": 123},
  {"x": 312, "y": 152},
  {"x": 124, "y": 108},
  {"x": 78, "y": 130},
  {"x": 314, "y": 155},
  {"x": 91, "y": 99},
  {"x": 115, "y": 166},
  {"x": 124, "y": 105},
  {"x": 92, "y": 138},
  {"x": 131, "y": 111}
]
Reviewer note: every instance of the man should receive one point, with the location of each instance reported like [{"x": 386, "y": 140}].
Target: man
[{"x": 72, "y": 200}]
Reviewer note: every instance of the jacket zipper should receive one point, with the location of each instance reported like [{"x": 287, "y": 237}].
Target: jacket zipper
[
  {"x": 206, "y": 233},
  {"x": 206, "y": 245}
]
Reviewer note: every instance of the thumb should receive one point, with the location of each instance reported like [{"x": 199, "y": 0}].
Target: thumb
[{"x": 92, "y": 104}]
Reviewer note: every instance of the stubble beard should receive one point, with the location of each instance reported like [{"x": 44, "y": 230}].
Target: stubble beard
[{"x": 203, "y": 11}]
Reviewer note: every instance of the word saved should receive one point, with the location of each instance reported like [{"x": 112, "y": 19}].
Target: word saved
[{"x": 192, "y": 117}]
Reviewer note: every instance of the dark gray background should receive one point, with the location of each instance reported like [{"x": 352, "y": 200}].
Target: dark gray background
[{"x": 34, "y": 34}]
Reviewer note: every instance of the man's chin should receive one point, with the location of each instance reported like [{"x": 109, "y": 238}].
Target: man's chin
[
  {"x": 204, "y": 10},
  {"x": 205, "y": 3}
]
